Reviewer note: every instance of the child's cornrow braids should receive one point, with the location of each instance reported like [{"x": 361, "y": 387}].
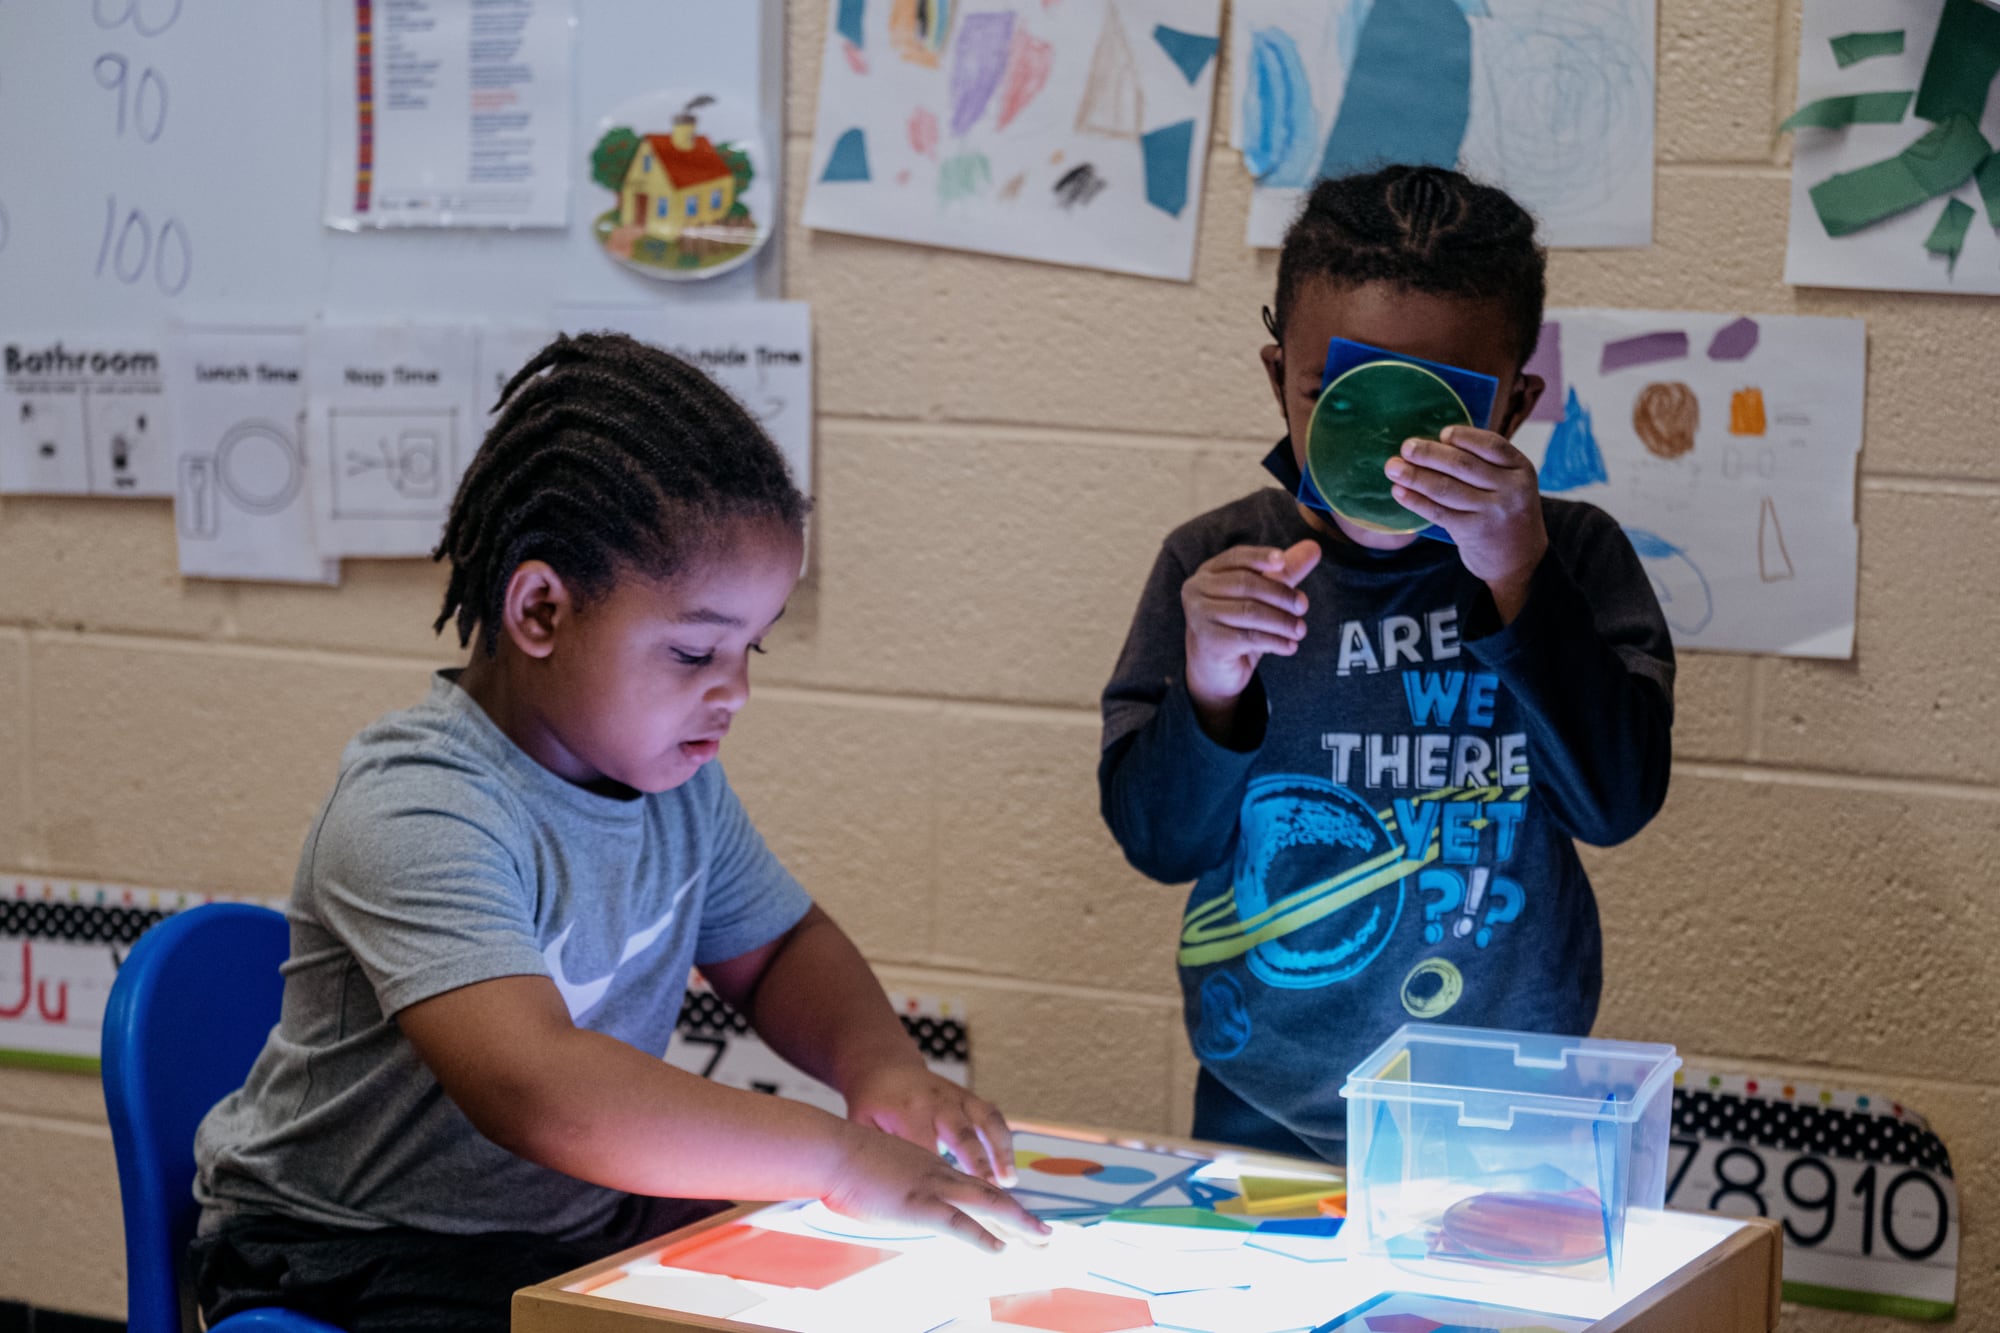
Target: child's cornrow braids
[
  {"x": 1424, "y": 228},
  {"x": 607, "y": 454}
]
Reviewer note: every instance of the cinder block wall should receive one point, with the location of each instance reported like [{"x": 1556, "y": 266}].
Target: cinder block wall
[{"x": 1001, "y": 447}]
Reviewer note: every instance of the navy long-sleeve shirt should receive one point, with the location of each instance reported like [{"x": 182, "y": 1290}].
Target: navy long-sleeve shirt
[{"x": 1396, "y": 839}]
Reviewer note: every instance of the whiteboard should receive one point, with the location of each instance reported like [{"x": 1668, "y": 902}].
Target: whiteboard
[{"x": 220, "y": 152}]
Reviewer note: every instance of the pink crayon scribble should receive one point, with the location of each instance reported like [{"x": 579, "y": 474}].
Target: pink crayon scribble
[
  {"x": 856, "y": 61},
  {"x": 1027, "y": 70},
  {"x": 903, "y": 176},
  {"x": 924, "y": 132}
]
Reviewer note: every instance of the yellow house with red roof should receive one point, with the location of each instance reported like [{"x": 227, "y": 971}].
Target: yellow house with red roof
[{"x": 676, "y": 181}]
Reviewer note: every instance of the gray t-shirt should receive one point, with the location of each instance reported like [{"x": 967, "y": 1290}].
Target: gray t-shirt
[{"x": 447, "y": 856}]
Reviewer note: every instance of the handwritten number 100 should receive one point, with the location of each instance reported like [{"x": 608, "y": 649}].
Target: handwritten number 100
[
  {"x": 149, "y": 117},
  {"x": 131, "y": 248}
]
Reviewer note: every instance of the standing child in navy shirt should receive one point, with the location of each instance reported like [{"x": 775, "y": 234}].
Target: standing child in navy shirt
[
  {"x": 1372, "y": 752},
  {"x": 495, "y": 913}
]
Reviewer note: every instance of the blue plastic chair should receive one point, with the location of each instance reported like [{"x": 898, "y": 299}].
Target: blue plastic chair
[{"x": 187, "y": 1016}]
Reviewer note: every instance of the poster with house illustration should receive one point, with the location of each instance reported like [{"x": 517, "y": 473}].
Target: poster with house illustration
[{"x": 691, "y": 197}]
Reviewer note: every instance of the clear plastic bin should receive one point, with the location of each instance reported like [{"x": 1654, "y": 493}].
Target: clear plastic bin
[{"x": 1470, "y": 1145}]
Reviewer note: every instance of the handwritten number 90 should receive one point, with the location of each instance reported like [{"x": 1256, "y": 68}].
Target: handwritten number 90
[
  {"x": 149, "y": 113},
  {"x": 129, "y": 249}
]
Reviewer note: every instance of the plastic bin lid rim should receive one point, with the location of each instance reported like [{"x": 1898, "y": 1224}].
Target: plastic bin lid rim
[{"x": 1622, "y": 1109}]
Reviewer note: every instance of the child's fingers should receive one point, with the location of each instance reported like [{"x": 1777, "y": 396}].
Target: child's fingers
[
  {"x": 1257, "y": 641},
  {"x": 1245, "y": 585},
  {"x": 950, "y": 1220},
  {"x": 1298, "y": 560},
  {"x": 1446, "y": 491},
  {"x": 1495, "y": 448},
  {"x": 1425, "y": 507},
  {"x": 1449, "y": 459},
  {"x": 995, "y": 1210},
  {"x": 1263, "y": 558},
  {"x": 999, "y": 1140},
  {"x": 1236, "y": 613},
  {"x": 956, "y": 1132}
]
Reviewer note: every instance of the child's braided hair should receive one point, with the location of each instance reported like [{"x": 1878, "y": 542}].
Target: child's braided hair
[
  {"x": 608, "y": 456},
  {"x": 1424, "y": 228}
]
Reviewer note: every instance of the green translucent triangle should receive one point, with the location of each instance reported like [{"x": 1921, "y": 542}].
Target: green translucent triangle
[
  {"x": 1180, "y": 1217},
  {"x": 1360, "y": 423}
]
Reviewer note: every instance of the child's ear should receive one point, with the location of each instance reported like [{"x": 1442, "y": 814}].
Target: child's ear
[
  {"x": 1528, "y": 390},
  {"x": 1274, "y": 370},
  {"x": 535, "y": 608}
]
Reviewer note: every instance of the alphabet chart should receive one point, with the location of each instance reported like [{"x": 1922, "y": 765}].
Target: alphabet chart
[{"x": 61, "y": 945}]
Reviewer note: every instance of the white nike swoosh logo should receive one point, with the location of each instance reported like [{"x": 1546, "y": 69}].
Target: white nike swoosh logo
[{"x": 580, "y": 997}]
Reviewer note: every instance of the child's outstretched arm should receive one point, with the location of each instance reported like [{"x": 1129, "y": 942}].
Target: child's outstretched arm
[
  {"x": 1184, "y": 714},
  {"x": 816, "y": 1001},
  {"x": 586, "y": 1104}
]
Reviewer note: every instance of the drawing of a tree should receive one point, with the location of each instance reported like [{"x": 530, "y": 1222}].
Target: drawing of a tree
[
  {"x": 612, "y": 157},
  {"x": 738, "y": 162}
]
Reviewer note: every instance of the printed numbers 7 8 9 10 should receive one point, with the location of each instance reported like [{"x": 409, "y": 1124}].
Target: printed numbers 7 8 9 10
[{"x": 1814, "y": 1203}]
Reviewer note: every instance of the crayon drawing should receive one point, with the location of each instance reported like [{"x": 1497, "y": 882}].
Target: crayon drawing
[
  {"x": 1726, "y": 449},
  {"x": 1550, "y": 99},
  {"x": 1070, "y": 133}
]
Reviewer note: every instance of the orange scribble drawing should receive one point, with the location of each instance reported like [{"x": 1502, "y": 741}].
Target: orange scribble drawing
[{"x": 1746, "y": 412}]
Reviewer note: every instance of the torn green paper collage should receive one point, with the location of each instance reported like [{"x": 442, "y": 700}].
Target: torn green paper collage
[
  {"x": 1949, "y": 151},
  {"x": 1852, "y": 47},
  {"x": 1948, "y": 237},
  {"x": 1942, "y": 160}
]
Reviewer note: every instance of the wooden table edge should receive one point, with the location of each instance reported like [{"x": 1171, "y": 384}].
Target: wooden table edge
[{"x": 1755, "y": 1249}]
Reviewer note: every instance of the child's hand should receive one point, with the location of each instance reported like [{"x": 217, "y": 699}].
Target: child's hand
[
  {"x": 1482, "y": 490},
  {"x": 914, "y": 1104},
  {"x": 1240, "y": 605},
  {"x": 882, "y": 1178}
]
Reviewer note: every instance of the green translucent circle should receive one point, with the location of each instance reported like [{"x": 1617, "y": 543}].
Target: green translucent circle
[{"x": 1360, "y": 423}]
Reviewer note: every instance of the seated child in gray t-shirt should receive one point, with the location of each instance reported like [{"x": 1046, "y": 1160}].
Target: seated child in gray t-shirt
[{"x": 495, "y": 913}]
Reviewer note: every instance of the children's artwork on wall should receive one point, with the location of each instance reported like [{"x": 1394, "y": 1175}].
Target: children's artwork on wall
[
  {"x": 1862, "y": 1184},
  {"x": 1071, "y": 133},
  {"x": 1725, "y": 446},
  {"x": 241, "y": 505},
  {"x": 1893, "y": 147},
  {"x": 61, "y": 944},
  {"x": 1550, "y": 99},
  {"x": 690, "y": 189}
]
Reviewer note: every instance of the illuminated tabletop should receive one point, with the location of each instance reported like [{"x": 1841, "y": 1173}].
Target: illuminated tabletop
[{"x": 803, "y": 1268}]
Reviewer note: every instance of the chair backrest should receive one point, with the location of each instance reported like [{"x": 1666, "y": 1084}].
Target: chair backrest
[{"x": 188, "y": 1013}]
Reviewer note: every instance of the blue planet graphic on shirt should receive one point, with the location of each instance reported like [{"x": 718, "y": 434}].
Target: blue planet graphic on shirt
[{"x": 1318, "y": 887}]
